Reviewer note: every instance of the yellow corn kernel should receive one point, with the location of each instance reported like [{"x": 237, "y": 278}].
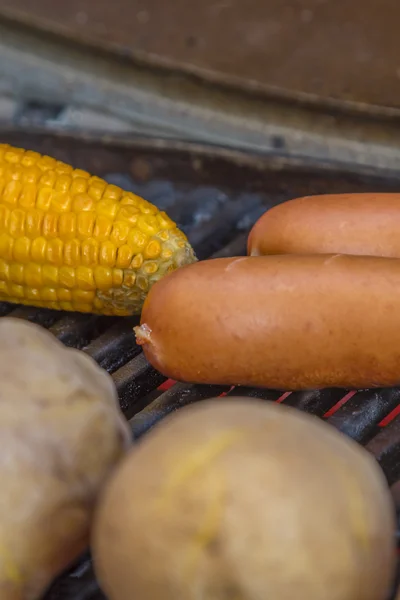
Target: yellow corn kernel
[
  {"x": 103, "y": 278},
  {"x": 85, "y": 278},
  {"x": 32, "y": 294},
  {"x": 4, "y": 270},
  {"x": 71, "y": 241},
  {"x": 11, "y": 192},
  {"x": 137, "y": 261},
  {"x": 4, "y": 217},
  {"x": 39, "y": 250},
  {"x": 6, "y": 246},
  {"x": 48, "y": 294},
  {"x": 33, "y": 275},
  {"x": 64, "y": 295},
  {"x": 118, "y": 277},
  {"x": 21, "y": 250},
  {"x": 50, "y": 225},
  {"x": 153, "y": 249},
  {"x": 27, "y": 198},
  {"x": 50, "y": 275},
  {"x": 124, "y": 257},
  {"x": 67, "y": 225},
  {"x": 128, "y": 214},
  {"x": 61, "y": 202},
  {"x": 96, "y": 188},
  {"x": 148, "y": 224},
  {"x": 17, "y": 273},
  {"x": 33, "y": 223},
  {"x": 137, "y": 240},
  {"x": 16, "y": 223},
  {"x": 83, "y": 296},
  {"x": 150, "y": 267},
  {"x": 108, "y": 254},
  {"x": 82, "y": 202},
  {"x": 90, "y": 252},
  {"x": 48, "y": 179},
  {"x": 107, "y": 208},
  {"x": 72, "y": 253},
  {"x": 79, "y": 186},
  {"x": 16, "y": 291},
  {"x": 44, "y": 197},
  {"x": 113, "y": 192},
  {"x": 102, "y": 228},
  {"x": 85, "y": 224},
  {"x": 54, "y": 252},
  {"x": 129, "y": 279},
  {"x": 66, "y": 277},
  {"x": 119, "y": 233}
]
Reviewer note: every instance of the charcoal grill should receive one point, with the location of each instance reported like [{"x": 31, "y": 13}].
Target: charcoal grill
[{"x": 215, "y": 195}]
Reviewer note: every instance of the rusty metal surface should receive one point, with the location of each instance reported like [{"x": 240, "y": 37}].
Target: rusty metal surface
[{"x": 310, "y": 49}]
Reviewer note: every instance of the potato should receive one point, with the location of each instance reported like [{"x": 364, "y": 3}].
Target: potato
[
  {"x": 240, "y": 499},
  {"x": 61, "y": 432}
]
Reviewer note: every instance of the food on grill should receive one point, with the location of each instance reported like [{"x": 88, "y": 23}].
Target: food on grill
[
  {"x": 366, "y": 224},
  {"x": 70, "y": 241},
  {"x": 283, "y": 322},
  {"x": 61, "y": 433},
  {"x": 246, "y": 499}
]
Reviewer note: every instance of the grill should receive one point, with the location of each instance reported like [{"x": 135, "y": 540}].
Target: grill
[{"x": 215, "y": 196}]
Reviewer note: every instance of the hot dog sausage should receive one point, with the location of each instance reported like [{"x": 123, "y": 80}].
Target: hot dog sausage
[
  {"x": 285, "y": 322},
  {"x": 367, "y": 224}
]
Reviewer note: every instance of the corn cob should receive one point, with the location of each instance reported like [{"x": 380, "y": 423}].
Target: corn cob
[{"x": 70, "y": 241}]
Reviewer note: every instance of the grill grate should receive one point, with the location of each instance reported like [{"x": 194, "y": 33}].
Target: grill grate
[{"x": 217, "y": 222}]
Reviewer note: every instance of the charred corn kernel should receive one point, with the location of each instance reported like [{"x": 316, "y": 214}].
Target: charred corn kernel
[{"x": 71, "y": 241}]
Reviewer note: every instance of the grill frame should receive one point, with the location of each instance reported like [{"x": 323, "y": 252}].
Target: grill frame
[{"x": 246, "y": 184}]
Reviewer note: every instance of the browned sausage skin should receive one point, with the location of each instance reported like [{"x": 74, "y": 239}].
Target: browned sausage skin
[
  {"x": 286, "y": 322},
  {"x": 366, "y": 224}
]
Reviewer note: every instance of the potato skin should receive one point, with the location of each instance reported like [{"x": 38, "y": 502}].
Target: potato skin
[
  {"x": 61, "y": 432},
  {"x": 243, "y": 499},
  {"x": 286, "y": 322},
  {"x": 362, "y": 224}
]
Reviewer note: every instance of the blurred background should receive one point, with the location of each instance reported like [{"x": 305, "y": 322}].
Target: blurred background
[{"x": 304, "y": 78}]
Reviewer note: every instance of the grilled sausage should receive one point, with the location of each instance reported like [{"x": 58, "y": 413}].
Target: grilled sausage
[
  {"x": 367, "y": 224},
  {"x": 285, "y": 322}
]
